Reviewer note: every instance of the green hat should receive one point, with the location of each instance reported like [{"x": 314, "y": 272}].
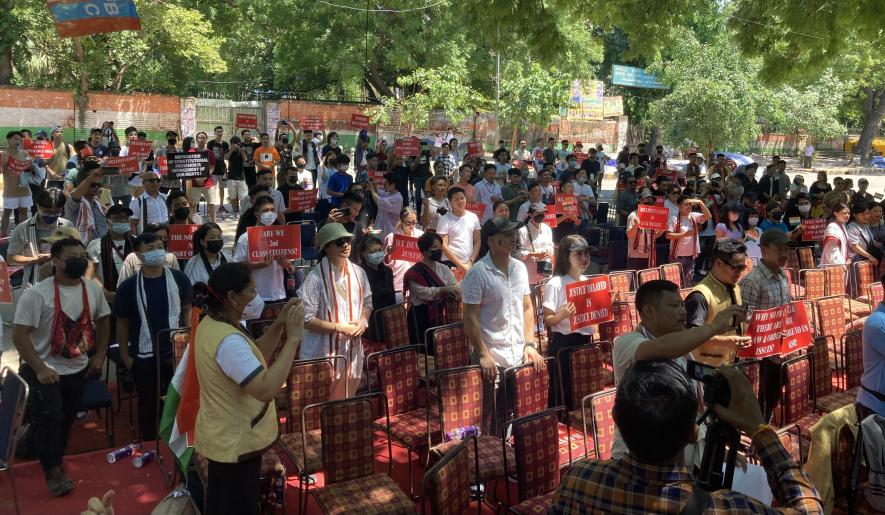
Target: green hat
[{"x": 331, "y": 232}]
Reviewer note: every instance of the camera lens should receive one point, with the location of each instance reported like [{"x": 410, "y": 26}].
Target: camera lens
[{"x": 442, "y": 210}]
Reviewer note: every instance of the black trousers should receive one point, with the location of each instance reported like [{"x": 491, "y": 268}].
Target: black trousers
[
  {"x": 52, "y": 409},
  {"x": 559, "y": 342},
  {"x": 770, "y": 387},
  {"x": 144, "y": 373},
  {"x": 233, "y": 488}
]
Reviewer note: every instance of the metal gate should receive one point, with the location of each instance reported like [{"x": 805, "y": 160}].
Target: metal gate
[{"x": 214, "y": 112}]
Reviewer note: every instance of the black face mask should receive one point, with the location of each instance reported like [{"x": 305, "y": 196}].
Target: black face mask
[
  {"x": 214, "y": 245},
  {"x": 436, "y": 255},
  {"x": 181, "y": 213},
  {"x": 284, "y": 140},
  {"x": 292, "y": 180},
  {"x": 75, "y": 267},
  {"x": 171, "y": 142},
  {"x": 538, "y": 219}
]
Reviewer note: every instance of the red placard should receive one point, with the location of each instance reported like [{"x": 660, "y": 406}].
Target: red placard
[
  {"x": 126, "y": 164},
  {"x": 275, "y": 240},
  {"x": 312, "y": 123},
  {"x": 581, "y": 156},
  {"x": 659, "y": 201},
  {"x": 474, "y": 149},
  {"x": 140, "y": 148},
  {"x": 302, "y": 200},
  {"x": 477, "y": 209},
  {"x": 566, "y": 204},
  {"x": 593, "y": 301},
  {"x": 39, "y": 148},
  {"x": 377, "y": 178},
  {"x": 405, "y": 248},
  {"x": 162, "y": 165},
  {"x": 359, "y": 121},
  {"x": 247, "y": 121},
  {"x": 17, "y": 166},
  {"x": 181, "y": 241},
  {"x": 669, "y": 174},
  {"x": 5, "y": 286},
  {"x": 653, "y": 217},
  {"x": 550, "y": 219},
  {"x": 407, "y": 147},
  {"x": 555, "y": 185},
  {"x": 777, "y": 331},
  {"x": 814, "y": 229}
]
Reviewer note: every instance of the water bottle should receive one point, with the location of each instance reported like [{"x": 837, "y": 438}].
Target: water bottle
[
  {"x": 144, "y": 459},
  {"x": 461, "y": 433},
  {"x": 122, "y": 452}
]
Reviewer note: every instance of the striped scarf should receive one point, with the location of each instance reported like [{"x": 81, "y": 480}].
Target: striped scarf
[{"x": 342, "y": 307}]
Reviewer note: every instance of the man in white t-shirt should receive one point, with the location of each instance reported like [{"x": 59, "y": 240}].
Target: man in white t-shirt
[
  {"x": 661, "y": 334},
  {"x": 487, "y": 191},
  {"x": 459, "y": 229},
  {"x": 53, "y": 346},
  {"x": 149, "y": 207}
]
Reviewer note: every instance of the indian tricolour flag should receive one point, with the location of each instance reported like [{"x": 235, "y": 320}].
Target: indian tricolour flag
[{"x": 179, "y": 418}]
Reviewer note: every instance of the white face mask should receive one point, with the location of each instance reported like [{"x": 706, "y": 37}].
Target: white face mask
[
  {"x": 804, "y": 208},
  {"x": 253, "y": 309},
  {"x": 753, "y": 220},
  {"x": 267, "y": 218}
]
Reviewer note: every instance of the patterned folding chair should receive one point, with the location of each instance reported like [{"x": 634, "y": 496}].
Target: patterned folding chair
[
  {"x": 672, "y": 272},
  {"x": 351, "y": 484},
  {"x": 822, "y": 377},
  {"x": 602, "y": 422},
  {"x": 806, "y": 258},
  {"x": 447, "y": 484},
  {"x": 530, "y": 389},
  {"x": 621, "y": 283},
  {"x": 852, "y": 364},
  {"x": 649, "y": 274},
  {"x": 395, "y": 330},
  {"x": 831, "y": 322},
  {"x": 630, "y": 299},
  {"x": 13, "y": 399},
  {"x": 797, "y": 291},
  {"x": 459, "y": 393},
  {"x": 587, "y": 377},
  {"x": 450, "y": 347},
  {"x": 814, "y": 281},
  {"x": 796, "y": 397},
  {"x": 308, "y": 384},
  {"x": 621, "y": 323},
  {"x": 751, "y": 368},
  {"x": 793, "y": 260},
  {"x": 400, "y": 387},
  {"x": 875, "y": 294},
  {"x": 863, "y": 275},
  {"x": 836, "y": 279},
  {"x": 685, "y": 292},
  {"x": 536, "y": 444},
  {"x": 811, "y": 314},
  {"x": 848, "y": 379}
]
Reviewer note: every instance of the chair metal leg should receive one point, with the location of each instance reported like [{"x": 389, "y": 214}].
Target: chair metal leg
[{"x": 14, "y": 491}]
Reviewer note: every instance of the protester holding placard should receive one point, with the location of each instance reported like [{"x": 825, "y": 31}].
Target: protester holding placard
[
  {"x": 270, "y": 281},
  {"x": 407, "y": 226},
  {"x": 567, "y": 217},
  {"x": 167, "y": 184},
  {"x": 641, "y": 251},
  {"x": 27, "y": 245},
  {"x": 835, "y": 247},
  {"x": 197, "y": 188},
  {"x": 572, "y": 260},
  {"x": 236, "y": 180},
  {"x": 535, "y": 243},
  {"x": 109, "y": 252},
  {"x": 767, "y": 286},
  {"x": 389, "y": 202},
  {"x": 460, "y": 231},
  {"x": 13, "y": 163},
  {"x": 149, "y": 207}
]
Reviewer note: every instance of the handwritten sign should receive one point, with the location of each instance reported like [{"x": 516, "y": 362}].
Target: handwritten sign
[
  {"x": 592, "y": 299},
  {"x": 474, "y": 149},
  {"x": 39, "y": 148},
  {"x": 407, "y": 147},
  {"x": 777, "y": 331},
  {"x": 376, "y": 177},
  {"x": 17, "y": 166},
  {"x": 302, "y": 200},
  {"x": 550, "y": 219},
  {"x": 181, "y": 240},
  {"x": 653, "y": 217},
  {"x": 126, "y": 164},
  {"x": 359, "y": 121},
  {"x": 815, "y": 228},
  {"x": 476, "y": 208},
  {"x": 247, "y": 121},
  {"x": 189, "y": 165},
  {"x": 162, "y": 165},
  {"x": 277, "y": 241},
  {"x": 312, "y": 123},
  {"x": 405, "y": 248},
  {"x": 140, "y": 148},
  {"x": 5, "y": 286},
  {"x": 566, "y": 204}
]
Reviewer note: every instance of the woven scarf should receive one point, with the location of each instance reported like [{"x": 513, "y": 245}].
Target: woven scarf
[
  {"x": 341, "y": 307},
  {"x": 173, "y": 311},
  {"x": 86, "y": 218}
]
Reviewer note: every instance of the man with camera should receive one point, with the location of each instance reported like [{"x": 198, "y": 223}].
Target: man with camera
[{"x": 655, "y": 410}]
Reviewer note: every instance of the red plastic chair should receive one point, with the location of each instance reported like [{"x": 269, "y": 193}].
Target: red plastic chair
[
  {"x": 672, "y": 272},
  {"x": 836, "y": 281},
  {"x": 536, "y": 443},
  {"x": 863, "y": 275},
  {"x": 621, "y": 323}
]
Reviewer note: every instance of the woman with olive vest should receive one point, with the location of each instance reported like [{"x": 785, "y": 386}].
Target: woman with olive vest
[{"x": 237, "y": 417}]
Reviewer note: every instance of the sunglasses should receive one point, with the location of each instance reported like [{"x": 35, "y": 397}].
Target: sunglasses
[
  {"x": 737, "y": 268},
  {"x": 152, "y": 181},
  {"x": 95, "y": 185},
  {"x": 341, "y": 242}
]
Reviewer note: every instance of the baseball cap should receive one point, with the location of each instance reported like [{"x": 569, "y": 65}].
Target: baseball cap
[
  {"x": 578, "y": 244},
  {"x": 117, "y": 209},
  {"x": 60, "y": 233},
  {"x": 498, "y": 224},
  {"x": 537, "y": 207},
  {"x": 774, "y": 237},
  {"x": 645, "y": 193},
  {"x": 715, "y": 176}
]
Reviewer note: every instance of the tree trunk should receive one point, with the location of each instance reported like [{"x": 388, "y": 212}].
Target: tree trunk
[
  {"x": 6, "y": 66},
  {"x": 873, "y": 111}
]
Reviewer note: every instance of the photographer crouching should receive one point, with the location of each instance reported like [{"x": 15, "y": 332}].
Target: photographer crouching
[{"x": 656, "y": 413}]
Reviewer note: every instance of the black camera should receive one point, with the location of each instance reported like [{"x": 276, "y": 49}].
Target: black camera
[
  {"x": 545, "y": 268},
  {"x": 442, "y": 211},
  {"x": 716, "y": 389}
]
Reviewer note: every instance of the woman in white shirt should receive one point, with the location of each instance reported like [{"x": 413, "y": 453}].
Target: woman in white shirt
[
  {"x": 835, "y": 245},
  {"x": 428, "y": 281},
  {"x": 407, "y": 226},
  {"x": 535, "y": 241},
  {"x": 207, "y": 253},
  {"x": 572, "y": 260}
]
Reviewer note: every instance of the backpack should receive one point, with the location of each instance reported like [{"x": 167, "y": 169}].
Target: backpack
[
  {"x": 177, "y": 502},
  {"x": 872, "y": 430}
]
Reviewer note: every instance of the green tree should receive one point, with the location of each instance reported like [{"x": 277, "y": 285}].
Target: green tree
[{"x": 813, "y": 110}]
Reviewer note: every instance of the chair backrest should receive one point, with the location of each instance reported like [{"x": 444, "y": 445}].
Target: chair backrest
[
  {"x": 796, "y": 396},
  {"x": 447, "y": 482},
  {"x": 398, "y": 378},
  {"x": 672, "y": 272},
  {"x": 630, "y": 299},
  {"x": 621, "y": 283},
  {"x": 814, "y": 281},
  {"x": 395, "y": 323},
  {"x": 309, "y": 241},
  {"x": 811, "y": 315},
  {"x": 751, "y": 369},
  {"x": 309, "y": 382},
  {"x": 180, "y": 340},
  {"x": 450, "y": 345},
  {"x": 876, "y": 294},
  {"x": 685, "y": 292},
  {"x": 585, "y": 365},
  {"x": 620, "y": 324},
  {"x": 13, "y": 398},
  {"x": 460, "y": 397},
  {"x": 823, "y": 377},
  {"x": 793, "y": 260},
  {"x": 864, "y": 275},
  {"x": 531, "y": 388},
  {"x": 749, "y": 268},
  {"x": 649, "y": 274},
  {"x": 536, "y": 446},
  {"x": 348, "y": 438},
  {"x": 831, "y": 317},
  {"x": 601, "y": 405},
  {"x": 852, "y": 353},
  {"x": 806, "y": 257},
  {"x": 835, "y": 279}
]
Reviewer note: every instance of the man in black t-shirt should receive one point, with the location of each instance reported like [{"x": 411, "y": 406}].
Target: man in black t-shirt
[
  {"x": 236, "y": 182},
  {"x": 249, "y": 145},
  {"x": 219, "y": 149}
]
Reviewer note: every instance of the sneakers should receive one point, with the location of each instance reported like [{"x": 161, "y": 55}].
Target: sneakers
[{"x": 57, "y": 482}]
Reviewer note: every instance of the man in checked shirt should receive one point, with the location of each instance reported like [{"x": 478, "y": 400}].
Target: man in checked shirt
[{"x": 655, "y": 411}]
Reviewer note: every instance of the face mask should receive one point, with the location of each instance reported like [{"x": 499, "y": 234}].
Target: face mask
[
  {"x": 292, "y": 180},
  {"x": 538, "y": 219},
  {"x": 573, "y": 163},
  {"x": 753, "y": 220},
  {"x": 267, "y": 218},
  {"x": 733, "y": 217},
  {"x": 375, "y": 258},
  {"x": 582, "y": 180},
  {"x": 285, "y": 140},
  {"x": 315, "y": 141},
  {"x": 253, "y": 309},
  {"x": 75, "y": 267},
  {"x": 155, "y": 257},
  {"x": 214, "y": 245},
  {"x": 171, "y": 141},
  {"x": 181, "y": 213},
  {"x": 49, "y": 219},
  {"x": 436, "y": 255},
  {"x": 804, "y": 208},
  {"x": 120, "y": 227},
  {"x": 776, "y": 215}
]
